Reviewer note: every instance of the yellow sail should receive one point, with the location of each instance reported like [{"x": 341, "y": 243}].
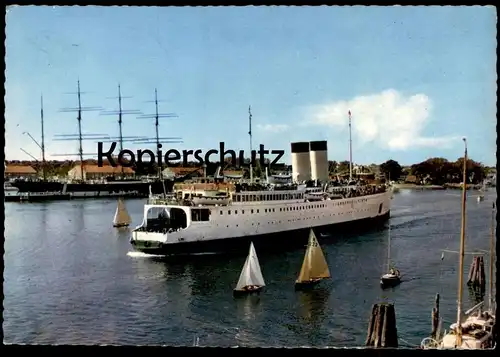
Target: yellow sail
[
  {"x": 122, "y": 218},
  {"x": 314, "y": 265}
]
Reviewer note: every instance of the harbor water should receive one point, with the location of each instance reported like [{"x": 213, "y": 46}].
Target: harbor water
[{"x": 70, "y": 279}]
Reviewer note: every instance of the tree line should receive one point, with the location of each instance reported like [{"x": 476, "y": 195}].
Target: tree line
[{"x": 437, "y": 171}]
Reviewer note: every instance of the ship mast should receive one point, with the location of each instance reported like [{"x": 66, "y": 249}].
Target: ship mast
[
  {"x": 120, "y": 116},
  {"x": 462, "y": 250},
  {"x": 43, "y": 140},
  {"x": 157, "y": 138},
  {"x": 350, "y": 149},
  {"x": 250, "y": 135},
  {"x": 120, "y": 112},
  {"x": 389, "y": 250},
  {"x": 80, "y": 148},
  {"x": 80, "y": 136}
]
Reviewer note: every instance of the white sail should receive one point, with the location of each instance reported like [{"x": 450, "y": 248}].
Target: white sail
[
  {"x": 251, "y": 273},
  {"x": 122, "y": 218}
]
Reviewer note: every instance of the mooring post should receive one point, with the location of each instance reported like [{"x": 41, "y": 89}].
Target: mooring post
[
  {"x": 477, "y": 276},
  {"x": 482, "y": 275},
  {"x": 474, "y": 271},
  {"x": 382, "y": 331},
  {"x": 435, "y": 318},
  {"x": 471, "y": 271}
]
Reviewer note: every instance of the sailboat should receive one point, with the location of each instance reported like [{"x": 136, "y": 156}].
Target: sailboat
[
  {"x": 476, "y": 331},
  {"x": 122, "y": 218},
  {"x": 251, "y": 279},
  {"x": 393, "y": 277},
  {"x": 314, "y": 268}
]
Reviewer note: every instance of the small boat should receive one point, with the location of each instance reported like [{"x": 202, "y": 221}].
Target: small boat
[
  {"x": 215, "y": 200},
  {"x": 393, "y": 277},
  {"x": 314, "y": 268},
  {"x": 476, "y": 330},
  {"x": 482, "y": 190},
  {"x": 122, "y": 218},
  {"x": 315, "y": 196},
  {"x": 208, "y": 197},
  {"x": 251, "y": 279},
  {"x": 491, "y": 297}
]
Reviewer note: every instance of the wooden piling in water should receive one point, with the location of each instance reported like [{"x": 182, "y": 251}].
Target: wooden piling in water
[
  {"x": 477, "y": 277},
  {"x": 482, "y": 276},
  {"x": 382, "y": 331},
  {"x": 435, "y": 318},
  {"x": 471, "y": 271}
]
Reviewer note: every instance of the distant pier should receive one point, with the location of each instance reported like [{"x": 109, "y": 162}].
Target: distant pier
[
  {"x": 55, "y": 196},
  {"x": 451, "y": 186}
]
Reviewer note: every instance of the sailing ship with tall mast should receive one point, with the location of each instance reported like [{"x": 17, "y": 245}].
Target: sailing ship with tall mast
[
  {"x": 83, "y": 188},
  {"x": 476, "y": 331},
  {"x": 122, "y": 218},
  {"x": 251, "y": 279},
  {"x": 393, "y": 277},
  {"x": 49, "y": 185},
  {"x": 314, "y": 267}
]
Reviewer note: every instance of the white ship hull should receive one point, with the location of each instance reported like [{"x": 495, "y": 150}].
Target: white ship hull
[{"x": 233, "y": 226}]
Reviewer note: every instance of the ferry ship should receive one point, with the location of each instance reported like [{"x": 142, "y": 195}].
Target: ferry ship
[{"x": 267, "y": 216}]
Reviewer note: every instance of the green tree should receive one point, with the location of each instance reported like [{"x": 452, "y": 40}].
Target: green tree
[
  {"x": 332, "y": 166},
  {"x": 391, "y": 169},
  {"x": 257, "y": 170},
  {"x": 475, "y": 170},
  {"x": 439, "y": 171},
  {"x": 343, "y": 167}
]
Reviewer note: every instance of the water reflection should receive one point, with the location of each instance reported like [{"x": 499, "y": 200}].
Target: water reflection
[
  {"x": 154, "y": 266},
  {"x": 43, "y": 219},
  {"x": 78, "y": 217},
  {"x": 476, "y": 294},
  {"x": 167, "y": 286},
  {"x": 123, "y": 232},
  {"x": 312, "y": 304},
  {"x": 248, "y": 307}
]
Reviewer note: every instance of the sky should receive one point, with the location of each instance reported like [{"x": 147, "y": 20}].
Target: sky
[{"x": 416, "y": 79}]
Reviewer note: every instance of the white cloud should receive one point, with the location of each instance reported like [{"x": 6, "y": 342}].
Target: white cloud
[
  {"x": 273, "y": 128},
  {"x": 387, "y": 119}
]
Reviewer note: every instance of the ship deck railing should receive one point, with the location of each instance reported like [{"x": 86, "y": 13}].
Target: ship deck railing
[
  {"x": 45, "y": 193},
  {"x": 172, "y": 201}
]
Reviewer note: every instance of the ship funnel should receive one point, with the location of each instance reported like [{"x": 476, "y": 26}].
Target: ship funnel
[
  {"x": 301, "y": 164},
  {"x": 319, "y": 160}
]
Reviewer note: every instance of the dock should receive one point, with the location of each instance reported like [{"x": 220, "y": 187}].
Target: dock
[{"x": 56, "y": 196}]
